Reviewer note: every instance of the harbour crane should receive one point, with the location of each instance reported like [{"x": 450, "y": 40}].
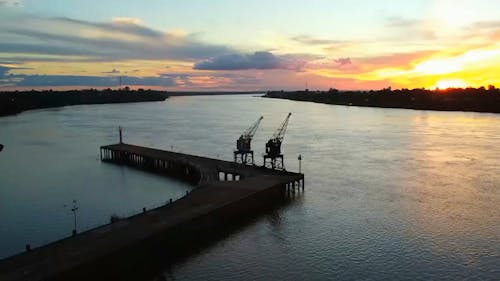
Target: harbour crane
[
  {"x": 244, "y": 153},
  {"x": 274, "y": 158}
]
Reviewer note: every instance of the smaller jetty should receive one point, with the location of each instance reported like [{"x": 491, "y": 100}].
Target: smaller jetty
[
  {"x": 470, "y": 99},
  {"x": 12, "y": 103}
]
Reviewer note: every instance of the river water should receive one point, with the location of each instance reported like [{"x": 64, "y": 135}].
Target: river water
[{"x": 390, "y": 194}]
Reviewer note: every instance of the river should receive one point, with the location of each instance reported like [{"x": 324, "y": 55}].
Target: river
[{"x": 390, "y": 193}]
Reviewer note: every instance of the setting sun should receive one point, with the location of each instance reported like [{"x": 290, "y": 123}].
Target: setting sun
[{"x": 453, "y": 83}]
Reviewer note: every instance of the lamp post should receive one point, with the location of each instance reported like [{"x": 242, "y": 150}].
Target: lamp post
[
  {"x": 120, "y": 130},
  {"x": 74, "y": 209},
  {"x": 300, "y": 163}
]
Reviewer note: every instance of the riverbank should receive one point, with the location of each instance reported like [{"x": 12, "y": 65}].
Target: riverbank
[
  {"x": 475, "y": 100},
  {"x": 12, "y": 103}
]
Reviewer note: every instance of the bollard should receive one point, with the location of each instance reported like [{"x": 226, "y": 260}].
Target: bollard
[
  {"x": 170, "y": 200},
  {"x": 143, "y": 210},
  {"x": 28, "y": 247},
  {"x": 187, "y": 192},
  {"x": 74, "y": 232}
]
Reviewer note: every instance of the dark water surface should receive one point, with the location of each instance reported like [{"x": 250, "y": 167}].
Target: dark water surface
[{"x": 390, "y": 194}]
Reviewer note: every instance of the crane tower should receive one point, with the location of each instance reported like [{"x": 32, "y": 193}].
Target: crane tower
[
  {"x": 244, "y": 153},
  {"x": 274, "y": 158}
]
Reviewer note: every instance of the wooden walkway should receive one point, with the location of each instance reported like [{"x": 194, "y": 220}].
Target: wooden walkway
[{"x": 225, "y": 191}]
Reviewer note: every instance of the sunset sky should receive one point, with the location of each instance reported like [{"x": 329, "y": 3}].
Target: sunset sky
[{"x": 249, "y": 45}]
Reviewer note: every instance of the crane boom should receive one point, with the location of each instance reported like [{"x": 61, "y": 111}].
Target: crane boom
[
  {"x": 250, "y": 132},
  {"x": 280, "y": 133}
]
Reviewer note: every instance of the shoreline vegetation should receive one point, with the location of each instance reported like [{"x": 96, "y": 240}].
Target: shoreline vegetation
[
  {"x": 482, "y": 99},
  {"x": 15, "y": 102},
  {"x": 12, "y": 103}
]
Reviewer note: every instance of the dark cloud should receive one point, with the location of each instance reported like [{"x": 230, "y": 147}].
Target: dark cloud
[
  {"x": 20, "y": 59},
  {"x": 4, "y": 70},
  {"x": 343, "y": 61},
  {"x": 65, "y": 37},
  {"x": 22, "y": 80},
  {"x": 121, "y": 27},
  {"x": 10, "y": 3},
  {"x": 43, "y": 48},
  {"x": 257, "y": 60},
  {"x": 308, "y": 40},
  {"x": 114, "y": 71},
  {"x": 8, "y": 62}
]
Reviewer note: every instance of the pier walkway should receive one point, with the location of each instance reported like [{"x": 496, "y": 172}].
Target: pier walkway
[{"x": 224, "y": 193}]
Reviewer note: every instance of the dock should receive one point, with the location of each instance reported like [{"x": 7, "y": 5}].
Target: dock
[{"x": 224, "y": 193}]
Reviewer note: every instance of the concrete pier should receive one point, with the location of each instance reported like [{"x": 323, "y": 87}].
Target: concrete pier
[{"x": 225, "y": 193}]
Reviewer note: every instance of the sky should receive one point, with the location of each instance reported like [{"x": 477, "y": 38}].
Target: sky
[{"x": 230, "y": 45}]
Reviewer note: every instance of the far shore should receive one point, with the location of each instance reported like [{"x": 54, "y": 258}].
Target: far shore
[
  {"x": 470, "y": 99},
  {"x": 12, "y": 103},
  {"x": 15, "y": 102}
]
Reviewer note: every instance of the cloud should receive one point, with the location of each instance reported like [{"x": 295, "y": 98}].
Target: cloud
[
  {"x": 358, "y": 66},
  {"x": 343, "y": 61},
  {"x": 109, "y": 41},
  {"x": 23, "y": 80},
  {"x": 11, "y": 3},
  {"x": 213, "y": 80},
  {"x": 308, "y": 40},
  {"x": 207, "y": 81},
  {"x": 489, "y": 30},
  {"x": 395, "y": 59},
  {"x": 114, "y": 71},
  {"x": 399, "y": 22},
  {"x": 4, "y": 70},
  {"x": 419, "y": 29},
  {"x": 257, "y": 60},
  {"x": 126, "y": 20},
  {"x": 486, "y": 25}
]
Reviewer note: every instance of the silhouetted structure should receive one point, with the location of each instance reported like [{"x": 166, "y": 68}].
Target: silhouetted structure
[
  {"x": 226, "y": 194},
  {"x": 470, "y": 99},
  {"x": 274, "y": 158},
  {"x": 244, "y": 153},
  {"x": 15, "y": 102}
]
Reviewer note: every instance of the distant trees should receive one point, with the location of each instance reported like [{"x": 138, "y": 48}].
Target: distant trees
[
  {"x": 470, "y": 99},
  {"x": 16, "y": 102}
]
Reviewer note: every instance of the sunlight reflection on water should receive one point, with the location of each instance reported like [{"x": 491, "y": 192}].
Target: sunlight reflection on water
[{"x": 390, "y": 194}]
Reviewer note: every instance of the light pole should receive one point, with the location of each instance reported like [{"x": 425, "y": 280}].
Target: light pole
[
  {"x": 300, "y": 163},
  {"x": 74, "y": 209}
]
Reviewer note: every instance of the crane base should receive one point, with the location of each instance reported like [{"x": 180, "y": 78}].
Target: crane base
[
  {"x": 244, "y": 157},
  {"x": 274, "y": 162}
]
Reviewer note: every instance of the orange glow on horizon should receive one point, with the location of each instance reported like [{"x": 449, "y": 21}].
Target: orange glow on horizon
[{"x": 450, "y": 84}]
